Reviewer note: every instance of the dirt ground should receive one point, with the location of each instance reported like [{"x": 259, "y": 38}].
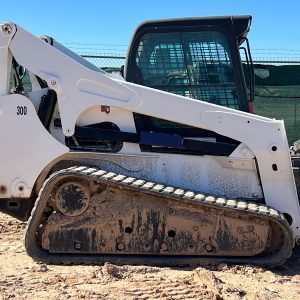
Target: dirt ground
[{"x": 22, "y": 278}]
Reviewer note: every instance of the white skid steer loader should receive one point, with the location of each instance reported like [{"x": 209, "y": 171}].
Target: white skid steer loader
[{"x": 95, "y": 185}]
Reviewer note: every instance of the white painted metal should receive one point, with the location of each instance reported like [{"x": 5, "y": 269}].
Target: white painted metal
[
  {"x": 78, "y": 58},
  {"x": 5, "y": 56},
  {"x": 72, "y": 55},
  {"x": 81, "y": 90},
  {"x": 209, "y": 174},
  {"x": 26, "y": 147}
]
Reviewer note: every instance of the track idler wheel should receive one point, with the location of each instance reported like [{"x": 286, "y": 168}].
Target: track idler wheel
[{"x": 72, "y": 198}]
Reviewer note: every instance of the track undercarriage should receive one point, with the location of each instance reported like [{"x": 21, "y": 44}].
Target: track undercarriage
[{"x": 86, "y": 215}]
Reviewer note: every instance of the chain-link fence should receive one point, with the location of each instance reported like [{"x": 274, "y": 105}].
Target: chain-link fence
[
  {"x": 106, "y": 61},
  {"x": 277, "y": 94},
  {"x": 115, "y": 58}
]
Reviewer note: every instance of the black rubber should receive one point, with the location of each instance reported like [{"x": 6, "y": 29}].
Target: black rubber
[{"x": 39, "y": 216}]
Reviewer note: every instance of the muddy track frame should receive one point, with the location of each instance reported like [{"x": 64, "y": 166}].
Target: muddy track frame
[{"x": 241, "y": 209}]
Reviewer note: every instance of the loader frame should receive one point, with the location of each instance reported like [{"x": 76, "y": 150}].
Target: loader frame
[{"x": 27, "y": 148}]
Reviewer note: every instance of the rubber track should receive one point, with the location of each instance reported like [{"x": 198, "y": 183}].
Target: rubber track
[{"x": 37, "y": 217}]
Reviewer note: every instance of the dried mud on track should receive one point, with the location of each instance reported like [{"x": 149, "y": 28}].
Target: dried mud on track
[{"x": 22, "y": 278}]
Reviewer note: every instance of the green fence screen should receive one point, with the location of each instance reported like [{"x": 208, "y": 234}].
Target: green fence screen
[{"x": 277, "y": 95}]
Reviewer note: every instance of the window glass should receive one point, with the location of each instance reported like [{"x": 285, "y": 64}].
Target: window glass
[{"x": 192, "y": 64}]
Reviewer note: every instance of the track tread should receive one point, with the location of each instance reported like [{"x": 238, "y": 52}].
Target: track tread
[{"x": 262, "y": 211}]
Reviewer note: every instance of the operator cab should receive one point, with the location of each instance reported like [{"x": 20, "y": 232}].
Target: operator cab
[{"x": 197, "y": 58}]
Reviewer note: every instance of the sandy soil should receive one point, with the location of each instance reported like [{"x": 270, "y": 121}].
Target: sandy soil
[{"x": 22, "y": 278}]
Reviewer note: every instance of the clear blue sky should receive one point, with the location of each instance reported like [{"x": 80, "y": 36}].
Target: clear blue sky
[{"x": 276, "y": 24}]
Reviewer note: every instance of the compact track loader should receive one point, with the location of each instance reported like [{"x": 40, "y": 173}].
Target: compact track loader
[{"x": 97, "y": 182}]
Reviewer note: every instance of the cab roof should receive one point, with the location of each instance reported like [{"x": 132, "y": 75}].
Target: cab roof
[{"x": 238, "y": 26}]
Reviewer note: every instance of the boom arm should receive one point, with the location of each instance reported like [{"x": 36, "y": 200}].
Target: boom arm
[{"x": 80, "y": 88}]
